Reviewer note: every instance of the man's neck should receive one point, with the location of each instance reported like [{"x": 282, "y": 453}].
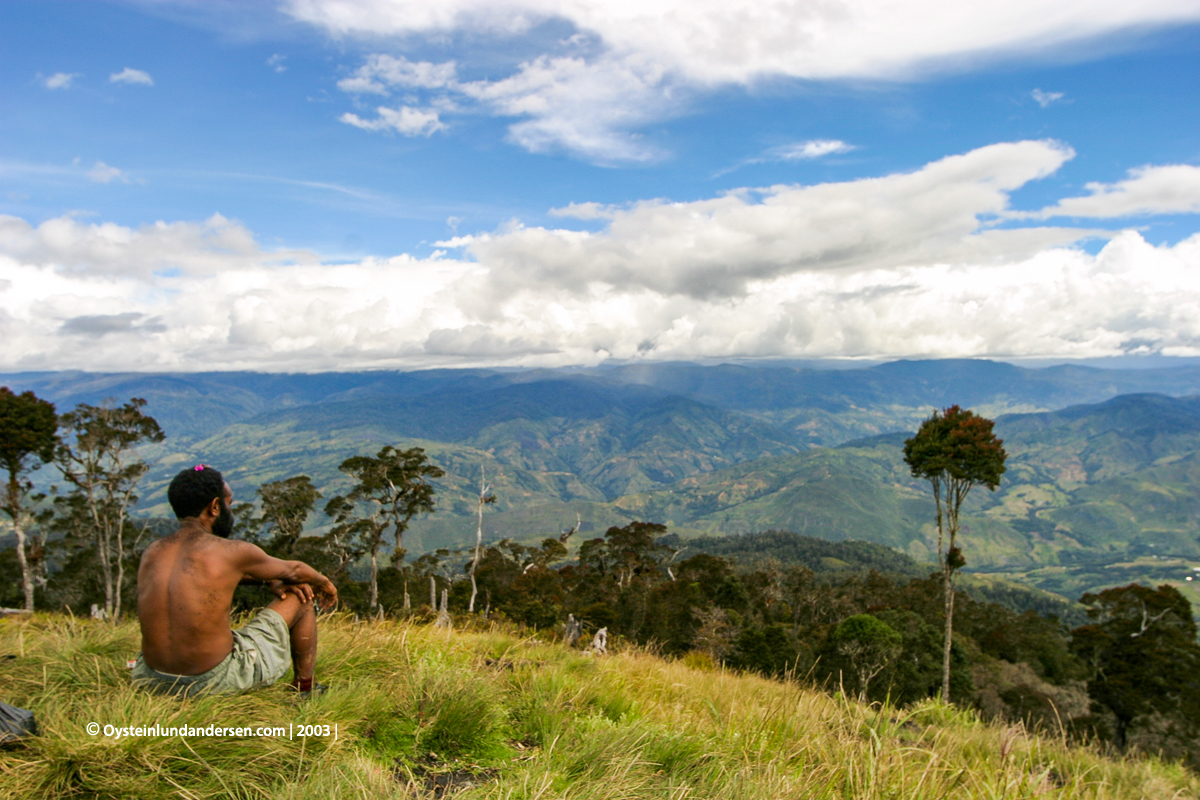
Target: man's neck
[{"x": 191, "y": 527}]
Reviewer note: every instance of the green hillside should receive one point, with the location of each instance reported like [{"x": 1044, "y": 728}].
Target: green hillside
[
  {"x": 414, "y": 711},
  {"x": 1093, "y": 492}
]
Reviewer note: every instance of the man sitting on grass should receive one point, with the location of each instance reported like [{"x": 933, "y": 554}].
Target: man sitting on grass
[{"x": 185, "y": 591}]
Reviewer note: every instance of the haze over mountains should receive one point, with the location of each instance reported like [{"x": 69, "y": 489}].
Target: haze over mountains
[{"x": 1103, "y": 463}]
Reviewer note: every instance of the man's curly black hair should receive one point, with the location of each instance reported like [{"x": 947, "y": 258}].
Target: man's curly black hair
[{"x": 193, "y": 489}]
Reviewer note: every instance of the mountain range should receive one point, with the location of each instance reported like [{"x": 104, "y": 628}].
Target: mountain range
[{"x": 1102, "y": 462}]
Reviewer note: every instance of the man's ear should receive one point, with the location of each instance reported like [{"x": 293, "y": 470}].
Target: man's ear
[{"x": 213, "y": 509}]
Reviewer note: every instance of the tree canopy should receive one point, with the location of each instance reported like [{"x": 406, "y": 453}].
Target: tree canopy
[{"x": 28, "y": 438}]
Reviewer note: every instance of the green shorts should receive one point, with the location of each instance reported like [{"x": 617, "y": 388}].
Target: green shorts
[{"x": 261, "y": 655}]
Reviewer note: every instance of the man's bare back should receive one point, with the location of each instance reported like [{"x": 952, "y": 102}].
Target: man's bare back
[{"x": 185, "y": 591}]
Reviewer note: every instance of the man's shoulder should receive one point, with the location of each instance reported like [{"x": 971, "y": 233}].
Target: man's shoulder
[
  {"x": 195, "y": 544},
  {"x": 235, "y": 549}
]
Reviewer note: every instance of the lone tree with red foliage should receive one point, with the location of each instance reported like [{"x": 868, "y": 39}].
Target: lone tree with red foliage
[{"x": 955, "y": 450}]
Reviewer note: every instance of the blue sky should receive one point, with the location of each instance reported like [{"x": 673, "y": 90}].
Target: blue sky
[{"x": 331, "y": 184}]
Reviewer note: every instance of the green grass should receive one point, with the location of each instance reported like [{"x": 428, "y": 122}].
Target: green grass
[{"x": 488, "y": 713}]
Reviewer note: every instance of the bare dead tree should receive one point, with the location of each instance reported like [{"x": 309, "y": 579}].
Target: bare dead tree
[
  {"x": 674, "y": 555},
  {"x": 485, "y": 498},
  {"x": 599, "y": 645},
  {"x": 574, "y": 629},
  {"x": 569, "y": 532},
  {"x": 443, "y": 617}
]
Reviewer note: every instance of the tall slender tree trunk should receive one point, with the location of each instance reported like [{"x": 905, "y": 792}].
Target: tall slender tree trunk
[
  {"x": 950, "y": 562},
  {"x": 478, "y": 546},
  {"x": 14, "y": 510},
  {"x": 103, "y": 541},
  {"x": 948, "y": 591},
  {"x": 120, "y": 580},
  {"x": 484, "y": 499},
  {"x": 374, "y": 592},
  {"x": 947, "y": 588}
]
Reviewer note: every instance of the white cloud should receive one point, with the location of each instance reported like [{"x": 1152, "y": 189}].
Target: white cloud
[
  {"x": 716, "y": 247},
  {"x": 898, "y": 265},
  {"x": 814, "y": 148},
  {"x": 1044, "y": 99},
  {"x": 103, "y": 173},
  {"x": 588, "y": 108},
  {"x": 60, "y": 80},
  {"x": 131, "y": 76},
  {"x": 275, "y": 62},
  {"x": 714, "y": 42},
  {"x": 638, "y": 62},
  {"x": 382, "y": 72},
  {"x": 1168, "y": 189},
  {"x": 585, "y": 211},
  {"x": 69, "y": 246},
  {"x": 404, "y": 120}
]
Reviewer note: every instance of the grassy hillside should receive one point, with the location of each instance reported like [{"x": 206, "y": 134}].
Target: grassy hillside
[{"x": 490, "y": 714}]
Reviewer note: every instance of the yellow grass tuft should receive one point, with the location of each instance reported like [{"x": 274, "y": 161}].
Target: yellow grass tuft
[{"x": 422, "y": 712}]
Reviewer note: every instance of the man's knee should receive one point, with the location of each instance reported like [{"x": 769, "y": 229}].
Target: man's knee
[{"x": 291, "y": 609}]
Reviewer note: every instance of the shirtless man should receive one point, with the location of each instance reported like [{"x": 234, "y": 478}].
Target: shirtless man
[{"x": 185, "y": 591}]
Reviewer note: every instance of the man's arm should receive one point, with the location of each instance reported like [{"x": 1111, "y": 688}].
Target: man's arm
[{"x": 256, "y": 565}]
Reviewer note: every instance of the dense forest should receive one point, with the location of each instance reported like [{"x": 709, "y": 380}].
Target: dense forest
[{"x": 853, "y": 617}]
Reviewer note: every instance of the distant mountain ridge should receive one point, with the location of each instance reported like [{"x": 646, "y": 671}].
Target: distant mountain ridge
[
  {"x": 712, "y": 450},
  {"x": 195, "y": 405}
]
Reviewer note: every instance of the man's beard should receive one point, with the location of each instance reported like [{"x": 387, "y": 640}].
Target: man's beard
[{"x": 223, "y": 524}]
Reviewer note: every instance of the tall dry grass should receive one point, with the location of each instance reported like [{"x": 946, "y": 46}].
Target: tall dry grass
[{"x": 422, "y": 712}]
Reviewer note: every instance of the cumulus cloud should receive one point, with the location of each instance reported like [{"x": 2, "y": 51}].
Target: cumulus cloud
[
  {"x": 715, "y": 247},
  {"x": 383, "y": 72},
  {"x": 60, "y": 80},
  {"x": 590, "y": 108},
  {"x": 1168, "y": 189},
  {"x": 404, "y": 120},
  {"x": 69, "y": 246},
  {"x": 713, "y": 42},
  {"x": 132, "y": 76},
  {"x": 103, "y": 173},
  {"x": 898, "y": 265},
  {"x": 648, "y": 57},
  {"x": 1044, "y": 99}
]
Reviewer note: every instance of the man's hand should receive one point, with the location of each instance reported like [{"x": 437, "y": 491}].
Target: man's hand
[
  {"x": 303, "y": 591},
  {"x": 326, "y": 593}
]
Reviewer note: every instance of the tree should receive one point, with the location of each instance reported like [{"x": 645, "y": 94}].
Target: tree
[
  {"x": 28, "y": 438},
  {"x": 955, "y": 450},
  {"x": 286, "y": 505},
  {"x": 100, "y": 461},
  {"x": 394, "y": 487},
  {"x": 485, "y": 498},
  {"x": 870, "y": 644},
  {"x": 1142, "y": 654},
  {"x": 626, "y": 552}
]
